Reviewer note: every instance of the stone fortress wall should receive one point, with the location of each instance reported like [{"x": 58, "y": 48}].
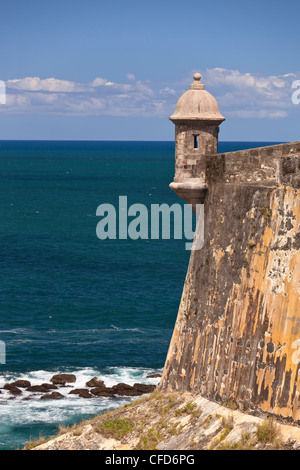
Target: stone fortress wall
[{"x": 237, "y": 334}]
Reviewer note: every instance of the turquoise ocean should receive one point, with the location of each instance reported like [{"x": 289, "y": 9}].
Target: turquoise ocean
[{"x": 70, "y": 302}]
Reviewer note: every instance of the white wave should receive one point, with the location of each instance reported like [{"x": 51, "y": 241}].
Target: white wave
[
  {"x": 17, "y": 331},
  {"x": 17, "y": 411}
]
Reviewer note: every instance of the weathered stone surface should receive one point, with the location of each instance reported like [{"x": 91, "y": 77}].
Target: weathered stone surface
[
  {"x": 265, "y": 166},
  {"x": 237, "y": 334}
]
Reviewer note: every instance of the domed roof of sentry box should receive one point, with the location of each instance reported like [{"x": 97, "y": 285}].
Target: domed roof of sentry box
[{"x": 197, "y": 104}]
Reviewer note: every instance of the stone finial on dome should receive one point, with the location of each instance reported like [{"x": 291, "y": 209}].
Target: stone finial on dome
[{"x": 197, "y": 84}]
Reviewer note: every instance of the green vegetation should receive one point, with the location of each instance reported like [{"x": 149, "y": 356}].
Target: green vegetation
[
  {"x": 227, "y": 424},
  {"x": 161, "y": 430},
  {"x": 149, "y": 440},
  {"x": 173, "y": 418},
  {"x": 267, "y": 436},
  {"x": 116, "y": 428},
  {"x": 230, "y": 404},
  {"x": 169, "y": 402},
  {"x": 206, "y": 422},
  {"x": 246, "y": 443},
  {"x": 189, "y": 408},
  {"x": 267, "y": 432},
  {"x": 34, "y": 443}
]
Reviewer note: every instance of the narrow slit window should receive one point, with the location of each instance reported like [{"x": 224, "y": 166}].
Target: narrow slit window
[{"x": 196, "y": 142}]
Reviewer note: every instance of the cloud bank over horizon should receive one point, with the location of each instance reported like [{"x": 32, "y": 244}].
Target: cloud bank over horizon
[{"x": 242, "y": 95}]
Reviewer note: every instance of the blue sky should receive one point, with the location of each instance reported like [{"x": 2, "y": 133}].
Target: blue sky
[{"x": 114, "y": 70}]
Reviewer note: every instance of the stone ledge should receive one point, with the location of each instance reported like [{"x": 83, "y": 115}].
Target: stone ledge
[{"x": 274, "y": 165}]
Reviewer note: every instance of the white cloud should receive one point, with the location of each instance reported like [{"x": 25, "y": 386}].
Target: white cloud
[
  {"x": 243, "y": 95},
  {"x": 168, "y": 91},
  {"x": 131, "y": 77},
  {"x": 48, "y": 84},
  {"x": 248, "y": 95},
  {"x": 243, "y": 81},
  {"x": 100, "y": 82}
]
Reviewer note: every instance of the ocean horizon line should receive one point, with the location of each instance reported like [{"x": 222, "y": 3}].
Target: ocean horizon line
[{"x": 131, "y": 141}]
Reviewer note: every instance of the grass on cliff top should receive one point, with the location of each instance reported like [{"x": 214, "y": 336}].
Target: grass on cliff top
[
  {"x": 173, "y": 419},
  {"x": 115, "y": 427},
  {"x": 267, "y": 432}
]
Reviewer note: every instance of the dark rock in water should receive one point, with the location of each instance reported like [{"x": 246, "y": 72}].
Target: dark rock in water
[
  {"x": 144, "y": 388},
  {"x": 153, "y": 376},
  {"x": 21, "y": 383},
  {"x": 95, "y": 382},
  {"x": 12, "y": 389},
  {"x": 120, "y": 389},
  {"x": 8, "y": 386},
  {"x": 50, "y": 386},
  {"x": 15, "y": 391},
  {"x": 37, "y": 388},
  {"x": 76, "y": 391},
  {"x": 125, "y": 390},
  {"x": 85, "y": 394},
  {"x": 62, "y": 379},
  {"x": 103, "y": 392},
  {"x": 81, "y": 392},
  {"x": 52, "y": 396},
  {"x": 30, "y": 397},
  {"x": 122, "y": 386}
]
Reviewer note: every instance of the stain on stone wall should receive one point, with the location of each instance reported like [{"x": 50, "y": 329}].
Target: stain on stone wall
[{"x": 237, "y": 335}]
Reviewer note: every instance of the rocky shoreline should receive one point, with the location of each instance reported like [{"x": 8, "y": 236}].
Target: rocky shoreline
[{"x": 95, "y": 387}]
